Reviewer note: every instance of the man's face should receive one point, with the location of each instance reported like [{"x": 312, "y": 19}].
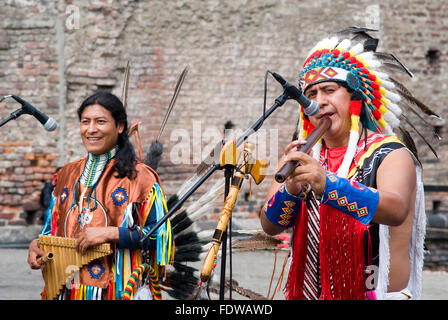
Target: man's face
[
  {"x": 99, "y": 132},
  {"x": 334, "y": 102}
]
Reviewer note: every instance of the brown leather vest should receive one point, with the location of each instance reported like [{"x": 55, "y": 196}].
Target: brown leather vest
[{"x": 112, "y": 196}]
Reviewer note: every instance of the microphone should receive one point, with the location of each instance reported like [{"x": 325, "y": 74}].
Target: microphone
[
  {"x": 310, "y": 107},
  {"x": 49, "y": 123}
]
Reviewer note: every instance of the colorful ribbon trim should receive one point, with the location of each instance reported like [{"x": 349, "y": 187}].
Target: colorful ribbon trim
[
  {"x": 136, "y": 278},
  {"x": 127, "y": 260}
]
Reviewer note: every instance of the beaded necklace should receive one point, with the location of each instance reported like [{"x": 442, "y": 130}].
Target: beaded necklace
[
  {"x": 91, "y": 174},
  {"x": 94, "y": 167}
]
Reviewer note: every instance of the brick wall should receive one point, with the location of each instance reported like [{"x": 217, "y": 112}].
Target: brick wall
[
  {"x": 436, "y": 257},
  {"x": 56, "y": 55},
  {"x": 28, "y": 68}
]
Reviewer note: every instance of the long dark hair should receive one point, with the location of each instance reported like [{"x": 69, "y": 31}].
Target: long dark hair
[{"x": 126, "y": 159}]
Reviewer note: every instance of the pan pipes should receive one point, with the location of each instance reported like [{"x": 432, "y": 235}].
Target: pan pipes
[{"x": 63, "y": 254}]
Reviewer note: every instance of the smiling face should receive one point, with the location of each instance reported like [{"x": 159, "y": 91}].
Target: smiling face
[
  {"x": 334, "y": 102},
  {"x": 99, "y": 131}
]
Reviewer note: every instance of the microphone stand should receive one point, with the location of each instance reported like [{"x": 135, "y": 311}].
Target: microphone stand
[
  {"x": 279, "y": 101},
  {"x": 227, "y": 174},
  {"x": 257, "y": 125},
  {"x": 12, "y": 116}
]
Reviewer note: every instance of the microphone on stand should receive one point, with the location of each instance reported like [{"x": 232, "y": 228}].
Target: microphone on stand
[
  {"x": 49, "y": 123},
  {"x": 310, "y": 107}
]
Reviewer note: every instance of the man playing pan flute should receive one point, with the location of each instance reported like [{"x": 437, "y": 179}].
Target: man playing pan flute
[
  {"x": 107, "y": 197},
  {"x": 356, "y": 203}
]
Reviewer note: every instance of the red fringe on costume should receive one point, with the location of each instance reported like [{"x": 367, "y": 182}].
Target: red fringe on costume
[
  {"x": 341, "y": 253},
  {"x": 294, "y": 285}
]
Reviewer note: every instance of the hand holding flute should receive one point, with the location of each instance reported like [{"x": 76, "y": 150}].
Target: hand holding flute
[{"x": 300, "y": 168}]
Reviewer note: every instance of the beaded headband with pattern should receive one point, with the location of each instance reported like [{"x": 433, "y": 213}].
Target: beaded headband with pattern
[{"x": 350, "y": 57}]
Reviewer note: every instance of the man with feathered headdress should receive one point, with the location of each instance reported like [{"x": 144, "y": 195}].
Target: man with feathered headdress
[{"x": 356, "y": 202}]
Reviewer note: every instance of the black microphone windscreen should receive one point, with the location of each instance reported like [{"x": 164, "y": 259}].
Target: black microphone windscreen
[{"x": 279, "y": 78}]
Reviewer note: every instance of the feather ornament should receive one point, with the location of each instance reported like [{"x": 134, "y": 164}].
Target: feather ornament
[{"x": 354, "y": 60}]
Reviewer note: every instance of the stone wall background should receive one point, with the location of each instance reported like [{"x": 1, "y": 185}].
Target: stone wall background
[{"x": 55, "y": 54}]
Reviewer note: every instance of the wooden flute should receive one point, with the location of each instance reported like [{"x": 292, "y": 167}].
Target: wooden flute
[{"x": 311, "y": 140}]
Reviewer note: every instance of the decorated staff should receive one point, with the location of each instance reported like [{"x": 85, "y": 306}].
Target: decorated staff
[{"x": 244, "y": 165}]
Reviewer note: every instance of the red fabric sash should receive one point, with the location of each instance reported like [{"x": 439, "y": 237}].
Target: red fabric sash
[
  {"x": 341, "y": 255},
  {"x": 294, "y": 285}
]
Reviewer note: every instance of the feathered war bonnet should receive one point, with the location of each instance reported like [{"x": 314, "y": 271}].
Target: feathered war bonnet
[{"x": 350, "y": 57}]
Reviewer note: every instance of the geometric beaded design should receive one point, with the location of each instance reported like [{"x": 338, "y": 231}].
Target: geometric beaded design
[
  {"x": 287, "y": 213},
  {"x": 342, "y": 202}
]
